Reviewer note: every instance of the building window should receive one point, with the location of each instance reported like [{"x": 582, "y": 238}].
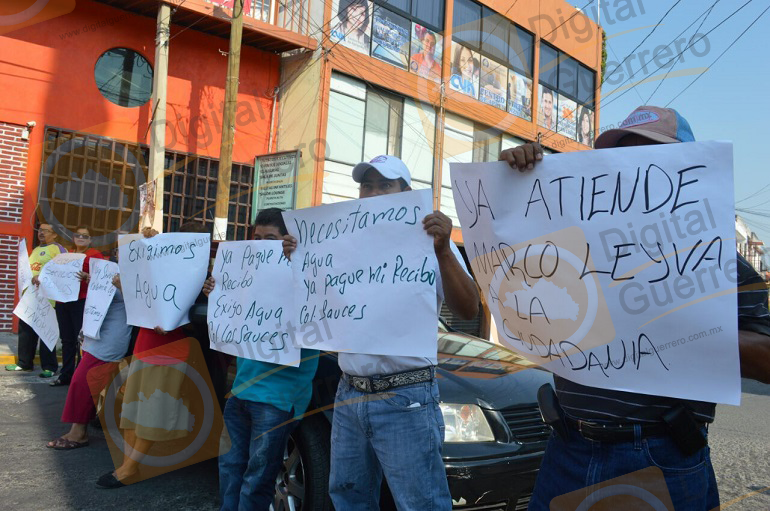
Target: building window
[
  {"x": 124, "y": 77},
  {"x": 566, "y": 95},
  {"x": 365, "y": 122}
]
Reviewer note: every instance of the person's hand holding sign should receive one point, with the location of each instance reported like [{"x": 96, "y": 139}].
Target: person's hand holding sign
[
  {"x": 523, "y": 157},
  {"x": 438, "y": 225},
  {"x": 289, "y": 246},
  {"x": 208, "y": 286}
]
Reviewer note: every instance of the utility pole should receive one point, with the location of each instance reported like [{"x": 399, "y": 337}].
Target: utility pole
[
  {"x": 158, "y": 122},
  {"x": 228, "y": 123}
]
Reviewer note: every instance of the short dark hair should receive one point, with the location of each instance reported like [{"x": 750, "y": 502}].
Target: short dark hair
[
  {"x": 193, "y": 226},
  {"x": 272, "y": 216},
  {"x": 547, "y": 91}
]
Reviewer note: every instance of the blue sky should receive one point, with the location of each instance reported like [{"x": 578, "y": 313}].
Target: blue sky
[{"x": 729, "y": 102}]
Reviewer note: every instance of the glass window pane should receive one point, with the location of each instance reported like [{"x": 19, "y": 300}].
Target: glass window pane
[
  {"x": 429, "y": 12},
  {"x": 376, "y": 126},
  {"x": 124, "y": 77},
  {"x": 586, "y": 85},
  {"x": 494, "y": 37},
  {"x": 520, "y": 51},
  {"x": 568, "y": 76},
  {"x": 418, "y": 140},
  {"x": 398, "y": 4},
  {"x": 345, "y": 130},
  {"x": 348, "y": 85},
  {"x": 549, "y": 65},
  {"x": 467, "y": 23}
]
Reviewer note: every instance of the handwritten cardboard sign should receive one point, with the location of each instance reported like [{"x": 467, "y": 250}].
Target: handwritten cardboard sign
[
  {"x": 100, "y": 295},
  {"x": 250, "y": 308},
  {"x": 161, "y": 277},
  {"x": 59, "y": 277},
  {"x": 596, "y": 262},
  {"x": 24, "y": 268},
  {"x": 367, "y": 268},
  {"x": 36, "y": 310}
]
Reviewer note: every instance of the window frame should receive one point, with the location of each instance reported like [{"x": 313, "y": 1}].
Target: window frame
[{"x": 412, "y": 17}]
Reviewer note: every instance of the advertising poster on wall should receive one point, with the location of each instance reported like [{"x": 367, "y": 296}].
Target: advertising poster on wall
[
  {"x": 351, "y": 24},
  {"x": 546, "y": 111},
  {"x": 426, "y": 53},
  {"x": 519, "y": 95},
  {"x": 493, "y": 82},
  {"x": 585, "y": 126},
  {"x": 465, "y": 70},
  {"x": 567, "y": 111},
  {"x": 390, "y": 37}
]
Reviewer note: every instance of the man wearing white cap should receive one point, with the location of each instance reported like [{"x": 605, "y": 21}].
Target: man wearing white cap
[
  {"x": 387, "y": 419},
  {"x": 610, "y": 433}
]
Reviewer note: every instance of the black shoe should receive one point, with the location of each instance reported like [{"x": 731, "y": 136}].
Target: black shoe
[
  {"x": 109, "y": 482},
  {"x": 58, "y": 382}
]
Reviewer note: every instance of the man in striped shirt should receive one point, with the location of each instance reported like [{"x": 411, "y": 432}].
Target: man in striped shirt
[{"x": 613, "y": 433}]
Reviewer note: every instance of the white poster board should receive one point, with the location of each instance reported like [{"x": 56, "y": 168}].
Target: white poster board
[
  {"x": 614, "y": 268},
  {"x": 35, "y": 309},
  {"x": 24, "y": 268},
  {"x": 365, "y": 275},
  {"x": 252, "y": 302},
  {"x": 59, "y": 277},
  {"x": 100, "y": 295},
  {"x": 162, "y": 276}
]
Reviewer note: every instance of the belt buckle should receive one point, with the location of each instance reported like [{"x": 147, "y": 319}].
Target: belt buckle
[{"x": 361, "y": 384}]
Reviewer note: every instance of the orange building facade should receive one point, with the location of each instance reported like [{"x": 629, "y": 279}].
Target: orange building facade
[{"x": 75, "y": 113}]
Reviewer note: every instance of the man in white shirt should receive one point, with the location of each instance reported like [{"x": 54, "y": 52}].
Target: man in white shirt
[{"x": 387, "y": 419}]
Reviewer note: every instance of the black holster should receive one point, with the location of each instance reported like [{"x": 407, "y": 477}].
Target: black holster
[{"x": 550, "y": 410}]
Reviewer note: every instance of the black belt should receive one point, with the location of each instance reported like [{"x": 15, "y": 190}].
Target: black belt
[
  {"x": 615, "y": 432},
  {"x": 383, "y": 382}
]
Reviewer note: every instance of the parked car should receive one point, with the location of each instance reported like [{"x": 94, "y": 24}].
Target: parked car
[{"x": 495, "y": 436}]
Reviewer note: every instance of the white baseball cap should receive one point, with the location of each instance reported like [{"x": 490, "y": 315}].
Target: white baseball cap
[{"x": 389, "y": 167}]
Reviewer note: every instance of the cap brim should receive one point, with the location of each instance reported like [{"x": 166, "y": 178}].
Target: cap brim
[
  {"x": 611, "y": 137},
  {"x": 360, "y": 169}
]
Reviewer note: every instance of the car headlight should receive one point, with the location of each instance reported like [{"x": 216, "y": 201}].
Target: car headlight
[{"x": 465, "y": 423}]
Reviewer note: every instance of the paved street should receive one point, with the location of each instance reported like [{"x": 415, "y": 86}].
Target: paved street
[{"x": 33, "y": 477}]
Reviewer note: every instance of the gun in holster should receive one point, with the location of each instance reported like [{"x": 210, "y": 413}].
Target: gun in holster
[
  {"x": 551, "y": 411},
  {"x": 685, "y": 430}
]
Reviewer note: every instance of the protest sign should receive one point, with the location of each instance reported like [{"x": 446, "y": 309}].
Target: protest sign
[
  {"x": 100, "y": 294},
  {"x": 161, "y": 277},
  {"x": 36, "y": 310},
  {"x": 367, "y": 269},
  {"x": 59, "y": 277},
  {"x": 251, "y": 305},
  {"x": 598, "y": 262},
  {"x": 24, "y": 268}
]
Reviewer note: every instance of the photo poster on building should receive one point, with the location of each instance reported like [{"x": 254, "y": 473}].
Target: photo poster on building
[
  {"x": 390, "y": 37},
  {"x": 465, "y": 70},
  {"x": 567, "y": 113},
  {"x": 59, "y": 277},
  {"x": 546, "y": 111},
  {"x": 365, "y": 270},
  {"x": 585, "y": 126},
  {"x": 351, "y": 24},
  {"x": 100, "y": 295},
  {"x": 519, "y": 95},
  {"x": 615, "y": 268},
  {"x": 275, "y": 181},
  {"x": 427, "y": 49},
  {"x": 493, "y": 82},
  {"x": 251, "y": 309},
  {"x": 35, "y": 309},
  {"x": 23, "y": 267},
  {"x": 162, "y": 276}
]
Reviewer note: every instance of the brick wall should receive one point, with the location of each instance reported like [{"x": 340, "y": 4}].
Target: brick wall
[
  {"x": 9, "y": 246},
  {"x": 13, "y": 169}
]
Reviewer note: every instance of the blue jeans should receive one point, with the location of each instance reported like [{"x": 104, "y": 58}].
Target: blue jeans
[
  {"x": 397, "y": 433},
  {"x": 579, "y": 463},
  {"x": 248, "y": 470}
]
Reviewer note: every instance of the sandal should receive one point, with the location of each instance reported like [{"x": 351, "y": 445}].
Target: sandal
[
  {"x": 62, "y": 444},
  {"x": 109, "y": 482},
  {"x": 58, "y": 383}
]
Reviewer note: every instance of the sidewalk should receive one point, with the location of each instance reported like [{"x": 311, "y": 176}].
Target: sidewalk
[{"x": 9, "y": 346}]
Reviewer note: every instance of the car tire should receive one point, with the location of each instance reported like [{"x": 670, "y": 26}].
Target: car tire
[{"x": 303, "y": 481}]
